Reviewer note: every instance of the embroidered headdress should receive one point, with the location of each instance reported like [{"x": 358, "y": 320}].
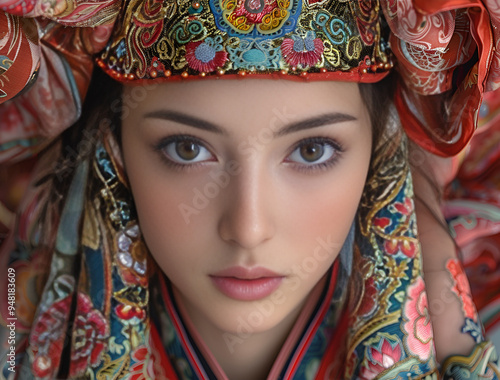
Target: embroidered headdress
[{"x": 317, "y": 40}]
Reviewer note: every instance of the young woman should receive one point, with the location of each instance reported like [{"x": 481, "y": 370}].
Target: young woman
[{"x": 240, "y": 229}]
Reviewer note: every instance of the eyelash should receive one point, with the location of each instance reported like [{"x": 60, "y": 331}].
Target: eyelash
[
  {"x": 337, "y": 147},
  {"x": 161, "y": 146},
  {"x": 322, "y": 166}
]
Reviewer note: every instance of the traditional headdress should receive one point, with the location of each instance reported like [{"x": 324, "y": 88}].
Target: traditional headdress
[
  {"x": 94, "y": 304},
  {"x": 313, "y": 40}
]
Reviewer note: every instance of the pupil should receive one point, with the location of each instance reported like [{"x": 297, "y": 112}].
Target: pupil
[
  {"x": 311, "y": 152},
  {"x": 187, "y": 150}
]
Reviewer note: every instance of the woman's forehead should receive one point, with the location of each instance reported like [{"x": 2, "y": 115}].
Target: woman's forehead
[{"x": 248, "y": 97}]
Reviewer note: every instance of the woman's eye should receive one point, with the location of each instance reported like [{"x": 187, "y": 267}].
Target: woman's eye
[
  {"x": 313, "y": 152},
  {"x": 185, "y": 150}
]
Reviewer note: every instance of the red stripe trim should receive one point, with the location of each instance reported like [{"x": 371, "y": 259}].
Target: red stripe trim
[
  {"x": 157, "y": 346},
  {"x": 326, "y": 369},
  {"x": 309, "y": 335},
  {"x": 182, "y": 333}
]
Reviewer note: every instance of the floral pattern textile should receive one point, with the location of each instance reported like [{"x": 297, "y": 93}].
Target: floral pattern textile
[
  {"x": 291, "y": 38},
  {"x": 435, "y": 43},
  {"x": 42, "y": 66},
  {"x": 472, "y": 209}
]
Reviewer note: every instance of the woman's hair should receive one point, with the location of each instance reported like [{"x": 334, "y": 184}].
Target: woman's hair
[{"x": 378, "y": 98}]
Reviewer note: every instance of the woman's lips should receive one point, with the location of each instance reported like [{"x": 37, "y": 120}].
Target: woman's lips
[{"x": 246, "y": 284}]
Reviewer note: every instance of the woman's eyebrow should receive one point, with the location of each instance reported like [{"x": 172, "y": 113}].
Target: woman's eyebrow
[
  {"x": 317, "y": 121},
  {"x": 183, "y": 118}
]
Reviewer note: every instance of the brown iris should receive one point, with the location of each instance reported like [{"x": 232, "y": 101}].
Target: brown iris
[
  {"x": 312, "y": 151},
  {"x": 187, "y": 150}
]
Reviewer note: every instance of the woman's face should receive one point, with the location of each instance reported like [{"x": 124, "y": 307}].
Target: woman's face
[{"x": 245, "y": 190}]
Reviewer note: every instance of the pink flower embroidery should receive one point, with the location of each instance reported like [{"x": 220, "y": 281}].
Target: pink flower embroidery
[
  {"x": 417, "y": 325},
  {"x": 205, "y": 56},
  {"x": 143, "y": 368},
  {"x": 405, "y": 245},
  {"x": 380, "y": 358},
  {"x": 127, "y": 312},
  {"x": 252, "y": 11},
  {"x": 47, "y": 338},
  {"x": 305, "y": 51},
  {"x": 382, "y": 222},
  {"x": 90, "y": 334},
  {"x": 461, "y": 288},
  {"x": 404, "y": 208}
]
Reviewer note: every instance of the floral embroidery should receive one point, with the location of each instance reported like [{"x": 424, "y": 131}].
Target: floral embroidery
[
  {"x": 461, "y": 288},
  {"x": 143, "y": 368},
  {"x": 405, "y": 246},
  {"x": 379, "y": 358},
  {"x": 206, "y": 56},
  {"x": 267, "y": 16},
  {"x": 90, "y": 333},
  {"x": 381, "y": 222},
  {"x": 48, "y": 336},
  {"x": 254, "y": 55},
  {"x": 405, "y": 208},
  {"x": 128, "y": 312},
  {"x": 305, "y": 51},
  {"x": 417, "y": 325}
]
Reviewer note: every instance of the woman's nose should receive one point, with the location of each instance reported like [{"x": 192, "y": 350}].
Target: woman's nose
[{"x": 247, "y": 217}]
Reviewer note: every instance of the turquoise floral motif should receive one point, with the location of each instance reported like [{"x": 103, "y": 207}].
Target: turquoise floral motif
[
  {"x": 183, "y": 33},
  {"x": 336, "y": 30},
  {"x": 254, "y": 55}
]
